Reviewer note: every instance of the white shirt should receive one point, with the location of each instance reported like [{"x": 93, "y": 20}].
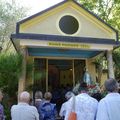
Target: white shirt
[
  {"x": 24, "y": 111},
  {"x": 85, "y": 107},
  {"x": 63, "y": 109},
  {"x": 109, "y": 107}
]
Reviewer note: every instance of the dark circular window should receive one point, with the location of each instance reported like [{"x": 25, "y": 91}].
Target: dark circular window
[{"x": 68, "y": 24}]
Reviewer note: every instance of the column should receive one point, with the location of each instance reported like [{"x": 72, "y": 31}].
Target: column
[
  {"x": 46, "y": 75},
  {"x": 110, "y": 65},
  {"x": 21, "y": 82},
  {"x": 73, "y": 72}
]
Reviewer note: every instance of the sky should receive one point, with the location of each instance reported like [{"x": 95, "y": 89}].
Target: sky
[{"x": 35, "y": 6}]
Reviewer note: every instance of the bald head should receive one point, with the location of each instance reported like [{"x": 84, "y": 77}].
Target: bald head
[
  {"x": 111, "y": 85},
  {"x": 24, "y": 97}
]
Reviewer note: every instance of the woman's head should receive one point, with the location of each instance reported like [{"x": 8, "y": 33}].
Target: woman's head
[{"x": 48, "y": 96}]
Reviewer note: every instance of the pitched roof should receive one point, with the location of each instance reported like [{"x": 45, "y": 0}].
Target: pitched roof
[{"x": 61, "y": 3}]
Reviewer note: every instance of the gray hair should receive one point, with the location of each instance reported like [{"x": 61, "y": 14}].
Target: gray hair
[
  {"x": 68, "y": 95},
  {"x": 38, "y": 95},
  {"x": 111, "y": 85},
  {"x": 24, "y": 97}
]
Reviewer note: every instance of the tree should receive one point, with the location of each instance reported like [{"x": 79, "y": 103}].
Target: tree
[
  {"x": 116, "y": 58},
  {"x": 89, "y": 4},
  {"x": 10, "y": 64},
  {"x": 109, "y": 11},
  {"x": 10, "y": 70},
  {"x": 10, "y": 13}
]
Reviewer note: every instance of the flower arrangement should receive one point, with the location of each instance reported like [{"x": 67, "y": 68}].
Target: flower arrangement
[{"x": 93, "y": 88}]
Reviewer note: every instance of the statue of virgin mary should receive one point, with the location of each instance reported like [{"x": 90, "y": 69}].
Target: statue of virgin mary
[{"x": 87, "y": 78}]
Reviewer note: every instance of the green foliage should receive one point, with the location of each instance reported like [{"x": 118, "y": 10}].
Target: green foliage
[
  {"x": 88, "y": 4},
  {"x": 116, "y": 58},
  {"x": 10, "y": 13},
  {"x": 39, "y": 75},
  {"x": 107, "y": 10},
  {"x": 10, "y": 69}
]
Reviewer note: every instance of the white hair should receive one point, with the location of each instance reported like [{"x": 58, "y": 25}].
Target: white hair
[
  {"x": 69, "y": 94},
  {"x": 24, "y": 97}
]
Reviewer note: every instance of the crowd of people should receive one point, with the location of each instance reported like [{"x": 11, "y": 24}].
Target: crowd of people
[{"x": 85, "y": 106}]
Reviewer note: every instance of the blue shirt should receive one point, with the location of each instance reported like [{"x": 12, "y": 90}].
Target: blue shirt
[{"x": 47, "y": 111}]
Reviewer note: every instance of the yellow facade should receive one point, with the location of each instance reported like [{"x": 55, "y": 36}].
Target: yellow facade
[
  {"x": 44, "y": 39},
  {"x": 48, "y": 23}
]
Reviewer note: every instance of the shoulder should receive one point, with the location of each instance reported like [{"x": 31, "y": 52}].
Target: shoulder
[
  {"x": 47, "y": 104},
  {"x": 53, "y": 106},
  {"x": 14, "y": 106},
  {"x": 94, "y": 100},
  {"x": 102, "y": 101},
  {"x": 33, "y": 108},
  {"x": 64, "y": 104}
]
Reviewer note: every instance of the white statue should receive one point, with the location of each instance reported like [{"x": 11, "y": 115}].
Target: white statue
[{"x": 87, "y": 78}]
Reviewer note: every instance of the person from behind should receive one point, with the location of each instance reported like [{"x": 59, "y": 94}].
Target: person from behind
[
  {"x": 2, "y": 117},
  {"x": 85, "y": 105},
  {"x": 47, "y": 110},
  {"x": 38, "y": 98},
  {"x": 23, "y": 111},
  {"x": 109, "y": 106},
  {"x": 63, "y": 109}
]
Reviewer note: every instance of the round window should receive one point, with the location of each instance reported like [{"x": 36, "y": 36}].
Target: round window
[{"x": 68, "y": 24}]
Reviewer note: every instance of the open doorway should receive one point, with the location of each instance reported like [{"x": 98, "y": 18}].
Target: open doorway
[
  {"x": 57, "y": 76},
  {"x": 50, "y": 74}
]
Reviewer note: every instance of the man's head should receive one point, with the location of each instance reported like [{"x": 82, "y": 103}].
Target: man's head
[
  {"x": 83, "y": 87},
  {"x": 24, "y": 97},
  {"x": 111, "y": 85}
]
